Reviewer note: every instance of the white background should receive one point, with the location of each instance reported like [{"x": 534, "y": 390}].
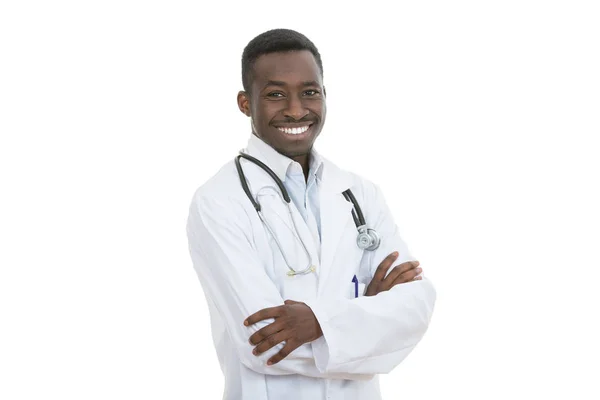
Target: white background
[{"x": 478, "y": 119}]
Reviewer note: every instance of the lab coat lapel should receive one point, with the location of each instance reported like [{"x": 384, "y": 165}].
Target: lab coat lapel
[{"x": 336, "y": 214}]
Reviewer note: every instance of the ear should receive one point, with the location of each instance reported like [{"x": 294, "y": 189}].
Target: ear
[{"x": 243, "y": 102}]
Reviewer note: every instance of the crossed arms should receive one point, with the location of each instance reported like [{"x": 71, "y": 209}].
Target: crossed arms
[{"x": 344, "y": 338}]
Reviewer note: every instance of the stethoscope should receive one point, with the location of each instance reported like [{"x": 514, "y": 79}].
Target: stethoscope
[{"x": 367, "y": 239}]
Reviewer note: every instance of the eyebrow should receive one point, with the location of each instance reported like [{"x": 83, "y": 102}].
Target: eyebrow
[{"x": 281, "y": 83}]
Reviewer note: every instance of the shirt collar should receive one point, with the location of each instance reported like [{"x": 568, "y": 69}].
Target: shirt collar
[{"x": 279, "y": 163}]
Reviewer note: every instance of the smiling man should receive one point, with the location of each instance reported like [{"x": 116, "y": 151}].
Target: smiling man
[
  {"x": 285, "y": 99},
  {"x": 312, "y": 292}
]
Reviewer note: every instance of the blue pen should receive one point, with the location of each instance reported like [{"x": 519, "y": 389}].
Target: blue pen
[{"x": 355, "y": 280}]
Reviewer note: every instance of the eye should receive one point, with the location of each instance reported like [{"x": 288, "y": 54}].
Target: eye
[
  {"x": 275, "y": 95},
  {"x": 311, "y": 92}
]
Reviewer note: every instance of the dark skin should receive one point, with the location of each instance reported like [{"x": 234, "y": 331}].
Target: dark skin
[
  {"x": 286, "y": 96},
  {"x": 286, "y": 92},
  {"x": 405, "y": 272},
  {"x": 295, "y": 324}
]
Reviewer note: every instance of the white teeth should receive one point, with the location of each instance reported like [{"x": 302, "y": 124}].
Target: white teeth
[{"x": 294, "y": 131}]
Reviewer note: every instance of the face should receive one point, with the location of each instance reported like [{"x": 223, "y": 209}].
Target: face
[{"x": 286, "y": 102}]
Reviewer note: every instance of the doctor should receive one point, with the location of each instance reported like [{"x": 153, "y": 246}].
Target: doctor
[{"x": 299, "y": 308}]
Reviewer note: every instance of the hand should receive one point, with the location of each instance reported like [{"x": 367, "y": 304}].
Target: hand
[
  {"x": 295, "y": 323},
  {"x": 406, "y": 272}
]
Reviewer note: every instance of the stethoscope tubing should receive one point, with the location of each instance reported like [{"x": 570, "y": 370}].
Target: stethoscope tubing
[
  {"x": 359, "y": 220},
  {"x": 268, "y": 170},
  {"x": 357, "y": 215}
]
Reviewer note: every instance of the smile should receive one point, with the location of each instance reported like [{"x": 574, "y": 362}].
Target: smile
[{"x": 294, "y": 131}]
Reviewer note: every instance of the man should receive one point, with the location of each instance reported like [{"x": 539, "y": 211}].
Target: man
[{"x": 298, "y": 309}]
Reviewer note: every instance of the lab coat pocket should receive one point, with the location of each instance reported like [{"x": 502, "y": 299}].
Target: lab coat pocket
[{"x": 361, "y": 289}]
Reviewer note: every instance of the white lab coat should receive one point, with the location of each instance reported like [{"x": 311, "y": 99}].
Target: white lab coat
[{"x": 242, "y": 271}]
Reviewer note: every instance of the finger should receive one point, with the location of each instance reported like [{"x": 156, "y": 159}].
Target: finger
[
  {"x": 270, "y": 342},
  {"x": 407, "y": 276},
  {"x": 266, "y": 331},
  {"x": 265, "y": 313},
  {"x": 418, "y": 278},
  {"x": 384, "y": 266},
  {"x": 283, "y": 353},
  {"x": 401, "y": 269}
]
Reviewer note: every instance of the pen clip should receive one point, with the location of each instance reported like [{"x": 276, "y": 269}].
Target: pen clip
[{"x": 355, "y": 281}]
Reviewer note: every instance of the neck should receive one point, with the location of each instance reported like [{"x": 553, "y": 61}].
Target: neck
[{"x": 303, "y": 160}]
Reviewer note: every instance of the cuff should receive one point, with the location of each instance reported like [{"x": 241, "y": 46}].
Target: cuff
[{"x": 320, "y": 347}]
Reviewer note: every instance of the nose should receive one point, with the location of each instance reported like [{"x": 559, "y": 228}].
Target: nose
[{"x": 295, "y": 109}]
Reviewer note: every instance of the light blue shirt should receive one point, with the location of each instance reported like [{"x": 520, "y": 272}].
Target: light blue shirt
[{"x": 304, "y": 193}]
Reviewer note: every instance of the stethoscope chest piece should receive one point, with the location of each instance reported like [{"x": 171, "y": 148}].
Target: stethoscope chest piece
[{"x": 367, "y": 239}]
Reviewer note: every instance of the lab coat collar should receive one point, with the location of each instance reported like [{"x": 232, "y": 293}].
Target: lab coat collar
[{"x": 279, "y": 163}]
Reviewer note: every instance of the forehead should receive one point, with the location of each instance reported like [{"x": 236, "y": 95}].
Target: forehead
[{"x": 291, "y": 67}]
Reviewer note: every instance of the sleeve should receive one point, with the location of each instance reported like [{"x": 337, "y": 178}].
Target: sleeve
[
  {"x": 371, "y": 335},
  {"x": 235, "y": 282}
]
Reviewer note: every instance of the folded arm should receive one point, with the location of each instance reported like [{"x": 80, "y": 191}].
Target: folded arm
[{"x": 373, "y": 334}]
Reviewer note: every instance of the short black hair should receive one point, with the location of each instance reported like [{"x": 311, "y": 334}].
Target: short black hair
[{"x": 274, "y": 41}]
